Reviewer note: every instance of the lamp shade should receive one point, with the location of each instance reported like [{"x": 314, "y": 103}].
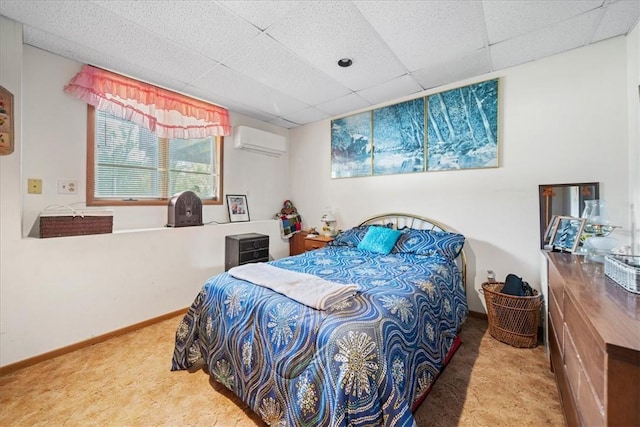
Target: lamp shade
[{"x": 328, "y": 217}]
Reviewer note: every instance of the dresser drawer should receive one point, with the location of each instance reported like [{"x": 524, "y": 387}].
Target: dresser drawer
[
  {"x": 555, "y": 319},
  {"x": 587, "y": 347},
  {"x": 254, "y": 256},
  {"x": 253, "y": 244},
  {"x": 589, "y": 407},
  {"x": 316, "y": 243}
]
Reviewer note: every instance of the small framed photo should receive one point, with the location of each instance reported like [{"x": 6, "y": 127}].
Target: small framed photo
[
  {"x": 566, "y": 237},
  {"x": 550, "y": 231},
  {"x": 238, "y": 208}
]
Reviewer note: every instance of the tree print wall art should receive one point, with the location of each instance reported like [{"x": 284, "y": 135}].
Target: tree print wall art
[
  {"x": 398, "y": 138},
  {"x": 461, "y": 133},
  {"x": 351, "y": 146},
  {"x": 462, "y": 127}
]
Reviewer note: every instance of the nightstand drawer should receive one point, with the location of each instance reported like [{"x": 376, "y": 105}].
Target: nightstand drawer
[
  {"x": 254, "y": 256},
  {"x": 253, "y": 244},
  {"x": 316, "y": 242}
]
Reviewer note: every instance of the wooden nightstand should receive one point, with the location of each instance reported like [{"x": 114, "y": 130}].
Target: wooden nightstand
[{"x": 313, "y": 243}]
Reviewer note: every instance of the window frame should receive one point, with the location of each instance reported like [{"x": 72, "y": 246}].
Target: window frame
[{"x": 91, "y": 200}]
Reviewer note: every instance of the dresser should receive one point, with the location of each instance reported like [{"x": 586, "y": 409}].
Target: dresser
[
  {"x": 594, "y": 343},
  {"x": 245, "y": 248}
]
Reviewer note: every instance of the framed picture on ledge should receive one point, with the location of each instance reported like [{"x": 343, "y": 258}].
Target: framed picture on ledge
[
  {"x": 238, "y": 208},
  {"x": 566, "y": 236}
]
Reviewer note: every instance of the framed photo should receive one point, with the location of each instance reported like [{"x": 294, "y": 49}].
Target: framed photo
[
  {"x": 550, "y": 231},
  {"x": 567, "y": 233},
  {"x": 238, "y": 208}
]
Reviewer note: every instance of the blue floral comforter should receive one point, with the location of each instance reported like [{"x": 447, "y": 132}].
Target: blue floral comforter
[{"x": 365, "y": 361}]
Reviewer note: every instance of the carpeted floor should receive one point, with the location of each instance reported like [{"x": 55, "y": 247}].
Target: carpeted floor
[{"x": 127, "y": 381}]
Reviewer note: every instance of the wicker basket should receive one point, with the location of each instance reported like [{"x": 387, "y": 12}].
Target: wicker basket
[
  {"x": 624, "y": 271},
  {"x": 512, "y": 319}
]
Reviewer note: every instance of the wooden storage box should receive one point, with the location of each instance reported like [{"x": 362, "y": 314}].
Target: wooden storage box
[{"x": 59, "y": 223}]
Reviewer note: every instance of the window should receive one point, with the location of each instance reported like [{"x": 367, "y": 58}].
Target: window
[{"x": 129, "y": 165}]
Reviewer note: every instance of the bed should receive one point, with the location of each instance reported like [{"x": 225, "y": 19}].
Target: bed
[{"x": 368, "y": 359}]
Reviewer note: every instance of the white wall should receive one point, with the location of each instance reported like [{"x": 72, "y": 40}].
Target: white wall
[
  {"x": 633, "y": 62},
  {"x": 54, "y": 148},
  {"x": 563, "y": 119},
  {"x": 56, "y": 292}
]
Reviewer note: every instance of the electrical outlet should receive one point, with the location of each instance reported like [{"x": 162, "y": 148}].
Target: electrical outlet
[
  {"x": 67, "y": 186},
  {"x": 34, "y": 186}
]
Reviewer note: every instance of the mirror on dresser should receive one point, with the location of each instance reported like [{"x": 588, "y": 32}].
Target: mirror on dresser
[{"x": 564, "y": 199}]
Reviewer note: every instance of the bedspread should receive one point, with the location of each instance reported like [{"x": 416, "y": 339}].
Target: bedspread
[{"x": 365, "y": 361}]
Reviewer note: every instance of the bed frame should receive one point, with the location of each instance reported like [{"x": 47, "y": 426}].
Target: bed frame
[{"x": 402, "y": 220}]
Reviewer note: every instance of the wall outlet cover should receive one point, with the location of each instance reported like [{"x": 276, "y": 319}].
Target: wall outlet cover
[
  {"x": 67, "y": 186},
  {"x": 34, "y": 186}
]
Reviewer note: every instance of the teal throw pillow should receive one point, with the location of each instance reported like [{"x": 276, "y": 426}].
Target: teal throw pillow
[{"x": 379, "y": 240}]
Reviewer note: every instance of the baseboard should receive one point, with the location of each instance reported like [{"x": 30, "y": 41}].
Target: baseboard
[
  {"x": 7, "y": 369},
  {"x": 478, "y": 315}
]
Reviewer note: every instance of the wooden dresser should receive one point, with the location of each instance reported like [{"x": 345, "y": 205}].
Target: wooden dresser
[{"x": 594, "y": 343}]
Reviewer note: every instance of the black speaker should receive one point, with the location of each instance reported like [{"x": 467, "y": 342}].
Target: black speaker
[{"x": 185, "y": 209}]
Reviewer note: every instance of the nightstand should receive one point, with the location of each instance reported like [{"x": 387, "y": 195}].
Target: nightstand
[
  {"x": 245, "y": 248},
  {"x": 313, "y": 243}
]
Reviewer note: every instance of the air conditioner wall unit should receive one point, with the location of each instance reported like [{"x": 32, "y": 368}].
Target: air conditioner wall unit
[{"x": 259, "y": 141}]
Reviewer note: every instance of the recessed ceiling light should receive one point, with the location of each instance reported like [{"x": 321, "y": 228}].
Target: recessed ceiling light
[{"x": 345, "y": 62}]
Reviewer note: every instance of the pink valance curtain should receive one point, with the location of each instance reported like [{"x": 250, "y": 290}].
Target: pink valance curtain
[{"x": 165, "y": 113}]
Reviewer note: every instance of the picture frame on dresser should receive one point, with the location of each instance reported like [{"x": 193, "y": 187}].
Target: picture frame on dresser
[
  {"x": 566, "y": 235},
  {"x": 550, "y": 231},
  {"x": 238, "y": 208}
]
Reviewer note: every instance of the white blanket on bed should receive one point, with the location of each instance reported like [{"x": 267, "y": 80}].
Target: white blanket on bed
[{"x": 310, "y": 290}]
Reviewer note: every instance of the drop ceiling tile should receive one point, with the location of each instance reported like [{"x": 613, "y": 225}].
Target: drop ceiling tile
[
  {"x": 323, "y": 32},
  {"x": 421, "y": 31},
  {"x": 271, "y": 64},
  {"x": 308, "y": 115},
  {"x": 88, "y": 25},
  {"x": 261, "y": 13},
  {"x": 283, "y": 123},
  {"x": 548, "y": 41},
  {"x": 619, "y": 18},
  {"x": 227, "y": 83},
  {"x": 212, "y": 30},
  {"x": 464, "y": 67},
  {"x": 396, "y": 88},
  {"x": 346, "y": 104},
  {"x": 87, "y": 55},
  {"x": 506, "y": 19}
]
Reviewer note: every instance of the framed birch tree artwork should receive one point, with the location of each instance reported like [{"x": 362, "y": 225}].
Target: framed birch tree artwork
[
  {"x": 351, "y": 153},
  {"x": 462, "y": 127},
  {"x": 398, "y": 138}
]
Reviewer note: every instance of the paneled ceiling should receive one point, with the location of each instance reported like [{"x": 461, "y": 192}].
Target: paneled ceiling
[{"x": 277, "y": 60}]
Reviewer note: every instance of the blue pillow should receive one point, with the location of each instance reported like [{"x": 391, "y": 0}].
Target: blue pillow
[
  {"x": 430, "y": 242},
  {"x": 353, "y": 236},
  {"x": 379, "y": 240}
]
